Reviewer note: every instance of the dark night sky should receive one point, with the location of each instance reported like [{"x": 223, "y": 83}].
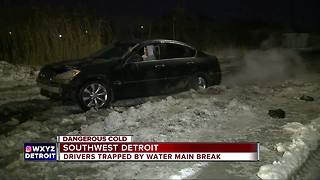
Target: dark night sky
[
  {"x": 295, "y": 11},
  {"x": 213, "y": 8}
]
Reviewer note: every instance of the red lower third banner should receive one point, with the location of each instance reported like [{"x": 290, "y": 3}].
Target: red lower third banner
[{"x": 158, "y": 151}]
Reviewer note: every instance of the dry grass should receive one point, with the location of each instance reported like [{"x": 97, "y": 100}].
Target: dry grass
[{"x": 46, "y": 39}]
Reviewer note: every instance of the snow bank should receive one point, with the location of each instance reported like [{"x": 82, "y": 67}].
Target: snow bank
[
  {"x": 10, "y": 72},
  {"x": 162, "y": 120},
  {"x": 18, "y": 83},
  {"x": 187, "y": 172},
  {"x": 17, "y": 75},
  {"x": 189, "y": 116},
  {"x": 304, "y": 140}
]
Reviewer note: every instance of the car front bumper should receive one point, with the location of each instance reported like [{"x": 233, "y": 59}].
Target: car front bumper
[
  {"x": 51, "y": 89},
  {"x": 58, "y": 91}
]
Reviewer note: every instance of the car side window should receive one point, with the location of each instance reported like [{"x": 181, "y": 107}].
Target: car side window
[
  {"x": 169, "y": 51},
  {"x": 149, "y": 52}
]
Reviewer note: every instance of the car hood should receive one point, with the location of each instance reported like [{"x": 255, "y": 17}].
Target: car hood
[{"x": 80, "y": 63}]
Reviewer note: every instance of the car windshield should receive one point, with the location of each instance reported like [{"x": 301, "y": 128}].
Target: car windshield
[{"x": 112, "y": 51}]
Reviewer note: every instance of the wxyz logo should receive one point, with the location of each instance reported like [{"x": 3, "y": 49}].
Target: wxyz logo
[{"x": 43, "y": 148}]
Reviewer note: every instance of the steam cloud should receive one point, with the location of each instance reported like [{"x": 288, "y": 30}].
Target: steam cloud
[{"x": 262, "y": 66}]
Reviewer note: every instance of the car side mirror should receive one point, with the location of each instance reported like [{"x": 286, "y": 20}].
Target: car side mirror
[{"x": 135, "y": 58}]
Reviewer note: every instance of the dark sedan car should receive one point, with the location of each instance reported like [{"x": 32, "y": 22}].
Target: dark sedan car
[{"x": 129, "y": 69}]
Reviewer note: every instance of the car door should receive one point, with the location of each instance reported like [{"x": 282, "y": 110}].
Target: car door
[
  {"x": 145, "y": 76},
  {"x": 180, "y": 64}
]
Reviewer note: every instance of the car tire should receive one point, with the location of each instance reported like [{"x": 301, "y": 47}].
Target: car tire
[
  {"x": 95, "y": 94},
  {"x": 199, "y": 82}
]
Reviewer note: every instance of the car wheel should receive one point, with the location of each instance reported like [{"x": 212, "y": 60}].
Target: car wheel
[
  {"x": 95, "y": 94},
  {"x": 199, "y": 82}
]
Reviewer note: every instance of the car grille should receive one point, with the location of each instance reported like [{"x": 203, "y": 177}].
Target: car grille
[{"x": 46, "y": 75}]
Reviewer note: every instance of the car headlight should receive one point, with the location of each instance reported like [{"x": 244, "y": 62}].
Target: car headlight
[{"x": 65, "y": 77}]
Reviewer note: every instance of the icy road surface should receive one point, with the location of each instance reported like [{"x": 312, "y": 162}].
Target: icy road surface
[{"x": 223, "y": 113}]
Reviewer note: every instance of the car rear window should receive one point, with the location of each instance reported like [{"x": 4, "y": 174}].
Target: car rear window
[{"x": 169, "y": 51}]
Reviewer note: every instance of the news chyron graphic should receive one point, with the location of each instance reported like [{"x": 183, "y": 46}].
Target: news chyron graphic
[{"x": 121, "y": 148}]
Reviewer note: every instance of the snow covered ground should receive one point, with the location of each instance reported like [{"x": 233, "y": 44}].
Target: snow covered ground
[
  {"x": 225, "y": 113},
  {"x": 305, "y": 139},
  {"x": 19, "y": 78}
]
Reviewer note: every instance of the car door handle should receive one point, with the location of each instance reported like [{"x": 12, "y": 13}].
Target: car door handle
[
  {"x": 190, "y": 62},
  {"x": 160, "y": 66}
]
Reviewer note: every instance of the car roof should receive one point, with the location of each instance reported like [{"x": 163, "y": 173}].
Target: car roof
[
  {"x": 142, "y": 42},
  {"x": 166, "y": 41}
]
